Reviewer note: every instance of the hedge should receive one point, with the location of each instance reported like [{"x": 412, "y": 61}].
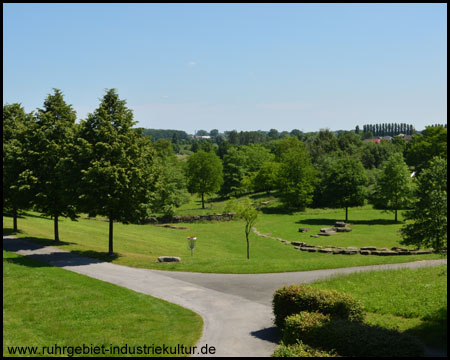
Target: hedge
[{"x": 293, "y": 299}]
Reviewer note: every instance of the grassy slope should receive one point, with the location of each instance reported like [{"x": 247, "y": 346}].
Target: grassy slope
[
  {"x": 221, "y": 246},
  {"x": 410, "y": 300},
  {"x": 44, "y": 305}
]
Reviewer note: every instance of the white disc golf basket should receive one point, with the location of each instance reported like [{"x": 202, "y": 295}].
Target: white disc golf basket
[{"x": 191, "y": 243}]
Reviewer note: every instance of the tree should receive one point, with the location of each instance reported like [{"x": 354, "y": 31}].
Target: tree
[
  {"x": 214, "y": 132},
  {"x": 204, "y": 173},
  {"x": 273, "y": 134},
  {"x": 393, "y": 186},
  {"x": 266, "y": 177},
  {"x": 344, "y": 184},
  {"x": 53, "y": 161},
  {"x": 324, "y": 143},
  {"x": 423, "y": 147},
  {"x": 170, "y": 187},
  {"x": 296, "y": 176},
  {"x": 235, "y": 168},
  {"x": 117, "y": 165},
  {"x": 18, "y": 179},
  {"x": 429, "y": 211},
  {"x": 244, "y": 209}
]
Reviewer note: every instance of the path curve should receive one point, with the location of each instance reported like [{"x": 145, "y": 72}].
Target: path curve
[{"x": 236, "y": 308}]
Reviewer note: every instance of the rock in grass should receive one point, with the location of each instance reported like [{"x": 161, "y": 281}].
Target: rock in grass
[
  {"x": 371, "y": 248},
  {"x": 343, "y": 229},
  {"x": 169, "y": 259}
]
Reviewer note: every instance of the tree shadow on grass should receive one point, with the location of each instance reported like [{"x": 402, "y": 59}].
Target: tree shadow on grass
[
  {"x": 359, "y": 339},
  {"x": 8, "y": 231},
  {"x": 58, "y": 258},
  {"x": 277, "y": 210},
  {"x": 321, "y": 222},
  {"x": 24, "y": 261},
  {"x": 433, "y": 331}
]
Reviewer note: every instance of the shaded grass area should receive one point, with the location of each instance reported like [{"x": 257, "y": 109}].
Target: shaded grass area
[
  {"x": 221, "y": 246},
  {"x": 45, "y": 305},
  {"x": 411, "y": 301}
]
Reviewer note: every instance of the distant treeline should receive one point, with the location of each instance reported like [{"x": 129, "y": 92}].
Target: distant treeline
[{"x": 157, "y": 134}]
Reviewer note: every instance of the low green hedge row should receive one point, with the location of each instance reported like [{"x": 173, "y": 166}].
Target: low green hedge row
[
  {"x": 293, "y": 299},
  {"x": 300, "y": 350},
  {"x": 348, "y": 338}
]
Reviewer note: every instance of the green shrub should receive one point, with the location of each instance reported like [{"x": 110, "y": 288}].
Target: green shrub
[
  {"x": 349, "y": 338},
  {"x": 296, "y": 298},
  {"x": 300, "y": 350},
  {"x": 302, "y": 326}
]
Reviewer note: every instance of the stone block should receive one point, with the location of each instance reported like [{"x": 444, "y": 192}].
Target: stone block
[{"x": 169, "y": 259}]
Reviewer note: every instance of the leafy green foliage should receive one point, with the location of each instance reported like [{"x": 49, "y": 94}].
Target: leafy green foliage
[
  {"x": 393, "y": 188},
  {"x": 429, "y": 211},
  {"x": 296, "y": 175},
  {"x": 117, "y": 164},
  {"x": 293, "y": 299},
  {"x": 204, "y": 173},
  {"x": 170, "y": 189},
  {"x": 53, "y": 159},
  {"x": 302, "y": 325},
  {"x": 344, "y": 183},
  {"x": 301, "y": 350},
  {"x": 423, "y": 147},
  {"x": 18, "y": 179},
  {"x": 244, "y": 209}
]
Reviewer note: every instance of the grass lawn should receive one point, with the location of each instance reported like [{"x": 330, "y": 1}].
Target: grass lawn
[
  {"x": 221, "y": 246},
  {"x": 408, "y": 300},
  {"x": 45, "y": 305}
]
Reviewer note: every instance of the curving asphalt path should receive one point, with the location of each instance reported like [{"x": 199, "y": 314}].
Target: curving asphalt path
[{"x": 236, "y": 308}]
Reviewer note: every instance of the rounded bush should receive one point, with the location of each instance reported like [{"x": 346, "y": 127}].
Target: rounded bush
[
  {"x": 302, "y": 326},
  {"x": 293, "y": 299}
]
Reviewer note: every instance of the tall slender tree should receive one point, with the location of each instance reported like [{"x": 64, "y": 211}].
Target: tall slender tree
[
  {"x": 18, "y": 179},
  {"x": 118, "y": 173},
  {"x": 52, "y": 159}
]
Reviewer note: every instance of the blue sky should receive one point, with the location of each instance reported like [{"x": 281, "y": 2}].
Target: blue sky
[{"x": 234, "y": 66}]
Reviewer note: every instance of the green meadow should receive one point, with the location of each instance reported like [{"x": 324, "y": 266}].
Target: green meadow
[
  {"x": 45, "y": 305},
  {"x": 221, "y": 245}
]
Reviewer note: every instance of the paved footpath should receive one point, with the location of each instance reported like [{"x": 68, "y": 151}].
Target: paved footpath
[{"x": 236, "y": 308}]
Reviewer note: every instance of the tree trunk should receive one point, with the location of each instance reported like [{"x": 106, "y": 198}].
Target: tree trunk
[
  {"x": 248, "y": 246},
  {"x": 203, "y": 201},
  {"x": 55, "y": 221},
  {"x": 110, "y": 236},
  {"x": 346, "y": 213},
  {"x": 15, "y": 219},
  {"x": 395, "y": 215}
]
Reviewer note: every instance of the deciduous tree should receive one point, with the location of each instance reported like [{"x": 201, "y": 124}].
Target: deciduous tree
[
  {"x": 52, "y": 159},
  {"x": 393, "y": 189},
  {"x": 429, "y": 211},
  {"x": 204, "y": 174},
  {"x": 118, "y": 168}
]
